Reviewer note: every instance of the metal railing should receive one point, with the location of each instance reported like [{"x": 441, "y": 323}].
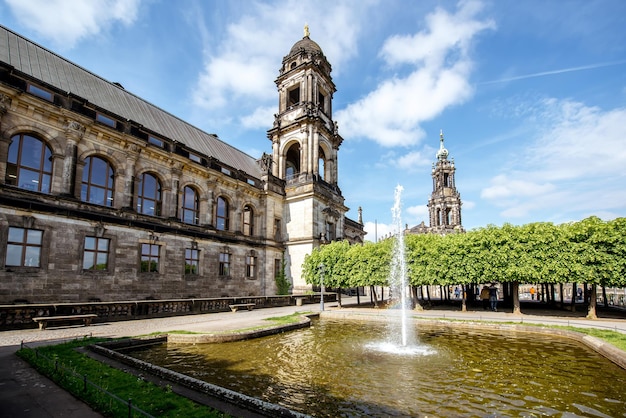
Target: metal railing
[{"x": 78, "y": 379}]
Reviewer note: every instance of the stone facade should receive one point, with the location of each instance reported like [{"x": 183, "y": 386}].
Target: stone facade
[{"x": 106, "y": 197}]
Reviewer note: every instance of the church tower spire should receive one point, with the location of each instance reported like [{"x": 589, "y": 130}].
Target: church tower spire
[
  {"x": 444, "y": 205},
  {"x": 305, "y": 145}
]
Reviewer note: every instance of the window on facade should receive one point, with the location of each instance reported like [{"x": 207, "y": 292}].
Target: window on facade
[
  {"x": 150, "y": 257},
  {"x": 191, "y": 206},
  {"x": 248, "y": 220},
  {"x": 322, "y": 164},
  {"x": 277, "y": 267},
  {"x": 321, "y": 100},
  {"x": 106, "y": 120},
  {"x": 277, "y": 230},
  {"x": 24, "y": 247},
  {"x": 448, "y": 216},
  {"x": 192, "y": 261},
  {"x": 293, "y": 96},
  {"x": 292, "y": 165},
  {"x": 446, "y": 180},
  {"x": 156, "y": 141},
  {"x": 439, "y": 220},
  {"x": 330, "y": 231},
  {"x": 224, "y": 267},
  {"x": 194, "y": 157},
  {"x": 250, "y": 266},
  {"x": 96, "y": 253},
  {"x": 98, "y": 182},
  {"x": 149, "y": 195},
  {"x": 222, "y": 214},
  {"x": 29, "y": 165},
  {"x": 40, "y": 92}
]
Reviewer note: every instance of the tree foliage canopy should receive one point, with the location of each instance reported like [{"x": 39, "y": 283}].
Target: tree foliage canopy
[{"x": 590, "y": 251}]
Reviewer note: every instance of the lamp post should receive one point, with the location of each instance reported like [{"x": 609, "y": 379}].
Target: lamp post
[{"x": 321, "y": 270}]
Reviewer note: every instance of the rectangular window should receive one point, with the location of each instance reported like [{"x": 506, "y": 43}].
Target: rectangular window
[
  {"x": 250, "y": 266},
  {"x": 224, "y": 269},
  {"x": 277, "y": 229},
  {"x": 96, "y": 254},
  {"x": 294, "y": 96},
  {"x": 192, "y": 261},
  {"x": 156, "y": 141},
  {"x": 150, "y": 255},
  {"x": 277, "y": 267},
  {"x": 330, "y": 231},
  {"x": 106, "y": 120},
  {"x": 24, "y": 247},
  {"x": 194, "y": 157},
  {"x": 225, "y": 171},
  {"x": 39, "y": 92}
]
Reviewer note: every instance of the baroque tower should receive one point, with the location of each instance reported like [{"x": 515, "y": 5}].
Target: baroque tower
[
  {"x": 305, "y": 143},
  {"x": 444, "y": 205}
]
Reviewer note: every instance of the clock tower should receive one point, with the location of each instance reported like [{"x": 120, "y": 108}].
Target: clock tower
[{"x": 305, "y": 144}]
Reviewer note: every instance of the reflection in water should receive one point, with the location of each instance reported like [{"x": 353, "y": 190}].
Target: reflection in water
[{"x": 330, "y": 370}]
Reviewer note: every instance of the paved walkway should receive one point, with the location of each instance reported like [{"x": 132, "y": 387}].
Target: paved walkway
[{"x": 25, "y": 393}]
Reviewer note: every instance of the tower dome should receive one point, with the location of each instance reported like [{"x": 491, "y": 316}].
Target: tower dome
[
  {"x": 442, "y": 154},
  {"x": 306, "y": 44}
]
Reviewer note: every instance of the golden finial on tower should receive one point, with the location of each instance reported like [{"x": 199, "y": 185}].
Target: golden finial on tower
[{"x": 306, "y": 30}]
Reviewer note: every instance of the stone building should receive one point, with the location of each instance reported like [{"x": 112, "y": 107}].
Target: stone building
[
  {"x": 444, "y": 205},
  {"x": 104, "y": 196}
]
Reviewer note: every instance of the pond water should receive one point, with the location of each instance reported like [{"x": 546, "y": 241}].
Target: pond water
[{"x": 338, "y": 369}]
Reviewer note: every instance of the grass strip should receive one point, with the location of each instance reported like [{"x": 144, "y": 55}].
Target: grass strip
[{"x": 68, "y": 368}]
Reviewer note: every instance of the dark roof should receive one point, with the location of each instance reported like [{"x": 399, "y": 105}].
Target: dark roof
[{"x": 35, "y": 61}]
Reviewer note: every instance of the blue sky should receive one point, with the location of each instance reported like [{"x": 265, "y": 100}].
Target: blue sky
[{"x": 530, "y": 95}]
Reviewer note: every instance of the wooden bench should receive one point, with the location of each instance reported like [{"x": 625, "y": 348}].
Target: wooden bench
[
  {"x": 236, "y": 306},
  {"x": 43, "y": 320}
]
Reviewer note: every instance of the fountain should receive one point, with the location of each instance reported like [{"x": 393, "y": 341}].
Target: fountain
[{"x": 402, "y": 338}]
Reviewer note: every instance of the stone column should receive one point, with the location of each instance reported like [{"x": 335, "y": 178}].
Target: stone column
[
  {"x": 5, "y": 104},
  {"x": 277, "y": 165},
  {"x": 74, "y": 132},
  {"x": 170, "y": 201},
  {"x": 127, "y": 193}
]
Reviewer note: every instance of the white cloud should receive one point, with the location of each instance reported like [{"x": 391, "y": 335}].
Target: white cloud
[
  {"x": 413, "y": 160},
  {"x": 240, "y": 69},
  {"x": 418, "y": 213},
  {"x": 66, "y": 22},
  {"x": 574, "y": 165},
  {"x": 440, "y": 68}
]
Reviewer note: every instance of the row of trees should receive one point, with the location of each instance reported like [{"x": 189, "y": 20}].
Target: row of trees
[{"x": 590, "y": 251}]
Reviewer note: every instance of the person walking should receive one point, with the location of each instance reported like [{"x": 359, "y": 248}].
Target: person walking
[
  {"x": 493, "y": 297},
  {"x": 532, "y": 293}
]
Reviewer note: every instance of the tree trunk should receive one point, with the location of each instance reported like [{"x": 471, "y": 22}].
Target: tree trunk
[
  {"x": 591, "y": 313},
  {"x": 373, "y": 294},
  {"x": 574, "y": 296},
  {"x": 517, "y": 310},
  {"x": 339, "y": 297},
  {"x": 606, "y": 301},
  {"x": 561, "y": 294},
  {"x": 463, "y": 298},
  {"x": 358, "y": 295},
  {"x": 428, "y": 293},
  {"x": 418, "y": 306}
]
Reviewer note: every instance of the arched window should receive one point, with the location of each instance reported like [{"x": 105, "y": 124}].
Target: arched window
[
  {"x": 191, "y": 206},
  {"x": 98, "y": 185},
  {"x": 292, "y": 165},
  {"x": 222, "y": 214},
  {"x": 149, "y": 195},
  {"x": 248, "y": 220},
  {"x": 29, "y": 165},
  {"x": 322, "y": 165}
]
